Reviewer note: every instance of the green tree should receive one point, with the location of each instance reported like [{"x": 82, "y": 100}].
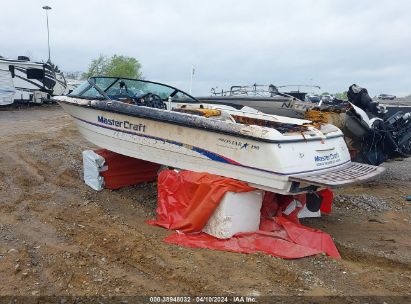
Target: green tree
[
  {"x": 115, "y": 66},
  {"x": 122, "y": 66},
  {"x": 341, "y": 96},
  {"x": 96, "y": 67}
]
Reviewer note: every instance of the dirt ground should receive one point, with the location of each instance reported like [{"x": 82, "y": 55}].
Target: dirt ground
[{"x": 60, "y": 237}]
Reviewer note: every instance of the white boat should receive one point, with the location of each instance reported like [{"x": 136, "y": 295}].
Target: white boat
[
  {"x": 71, "y": 85},
  {"x": 285, "y": 100},
  {"x": 161, "y": 124}
]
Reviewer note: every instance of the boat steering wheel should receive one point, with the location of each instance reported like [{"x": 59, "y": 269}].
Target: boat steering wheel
[{"x": 150, "y": 100}]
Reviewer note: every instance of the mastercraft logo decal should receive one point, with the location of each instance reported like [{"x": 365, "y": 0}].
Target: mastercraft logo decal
[
  {"x": 323, "y": 160},
  {"x": 122, "y": 124}
]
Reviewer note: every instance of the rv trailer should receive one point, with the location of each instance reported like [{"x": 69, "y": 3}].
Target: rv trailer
[{"x": 32, "y": 82}]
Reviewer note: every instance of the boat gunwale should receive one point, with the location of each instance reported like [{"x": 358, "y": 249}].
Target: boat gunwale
[{"x": 194, "y": 123}]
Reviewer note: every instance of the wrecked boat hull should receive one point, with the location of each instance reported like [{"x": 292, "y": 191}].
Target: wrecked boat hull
[{"x": 252, "y": 154}]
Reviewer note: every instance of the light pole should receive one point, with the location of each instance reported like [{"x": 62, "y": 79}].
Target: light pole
[
  {"x": 46, "y": 8},
  {"x": 191, "y": 77}
]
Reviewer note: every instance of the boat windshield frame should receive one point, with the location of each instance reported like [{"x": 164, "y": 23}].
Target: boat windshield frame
[
  {"x": 260, "y": 91},
  {"x": 92, "y": 82}
]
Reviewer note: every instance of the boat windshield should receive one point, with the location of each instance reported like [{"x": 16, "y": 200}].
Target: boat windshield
[{"x": 117, "y": 88}]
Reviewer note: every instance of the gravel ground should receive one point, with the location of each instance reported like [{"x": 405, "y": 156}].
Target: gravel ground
[
  {"x": 397, "y": 170},
  {"x": 364, "y": 202}
]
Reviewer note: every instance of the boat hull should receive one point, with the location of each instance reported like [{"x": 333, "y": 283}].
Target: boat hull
[{"x": 263, "y": 164}]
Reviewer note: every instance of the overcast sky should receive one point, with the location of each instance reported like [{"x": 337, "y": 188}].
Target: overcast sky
[{"x": 329, "y": 43}]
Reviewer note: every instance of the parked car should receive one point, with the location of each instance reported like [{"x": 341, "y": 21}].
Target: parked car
[
  {"x": 386, "y": 96},
  {"x": 327, "y": 98},
  {"x": 312, "y": 98}
]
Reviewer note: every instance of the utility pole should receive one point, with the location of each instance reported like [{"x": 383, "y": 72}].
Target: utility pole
[{"x": 46, "y": 8}]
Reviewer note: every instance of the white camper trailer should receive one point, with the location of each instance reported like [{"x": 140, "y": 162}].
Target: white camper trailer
[
  {"x": 33, "y": 82},
  {"x": 7, "y": 89}
]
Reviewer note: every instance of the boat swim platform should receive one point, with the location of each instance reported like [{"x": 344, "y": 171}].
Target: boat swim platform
[{"x": 351, "y": 173}]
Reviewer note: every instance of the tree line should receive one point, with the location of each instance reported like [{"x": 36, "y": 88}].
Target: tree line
[{"x": 114, "y": 66}]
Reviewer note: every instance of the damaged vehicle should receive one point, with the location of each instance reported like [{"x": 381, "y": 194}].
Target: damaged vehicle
[
  {"x": 373, "y": 135},
  {"x": 162, "y": 124},
  {"x": 376, "y": 136}
]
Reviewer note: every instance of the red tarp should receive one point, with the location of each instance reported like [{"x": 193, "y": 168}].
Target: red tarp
[
  {"x": 186, "y": 200},
  {"x": 125, "y": 171}
]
